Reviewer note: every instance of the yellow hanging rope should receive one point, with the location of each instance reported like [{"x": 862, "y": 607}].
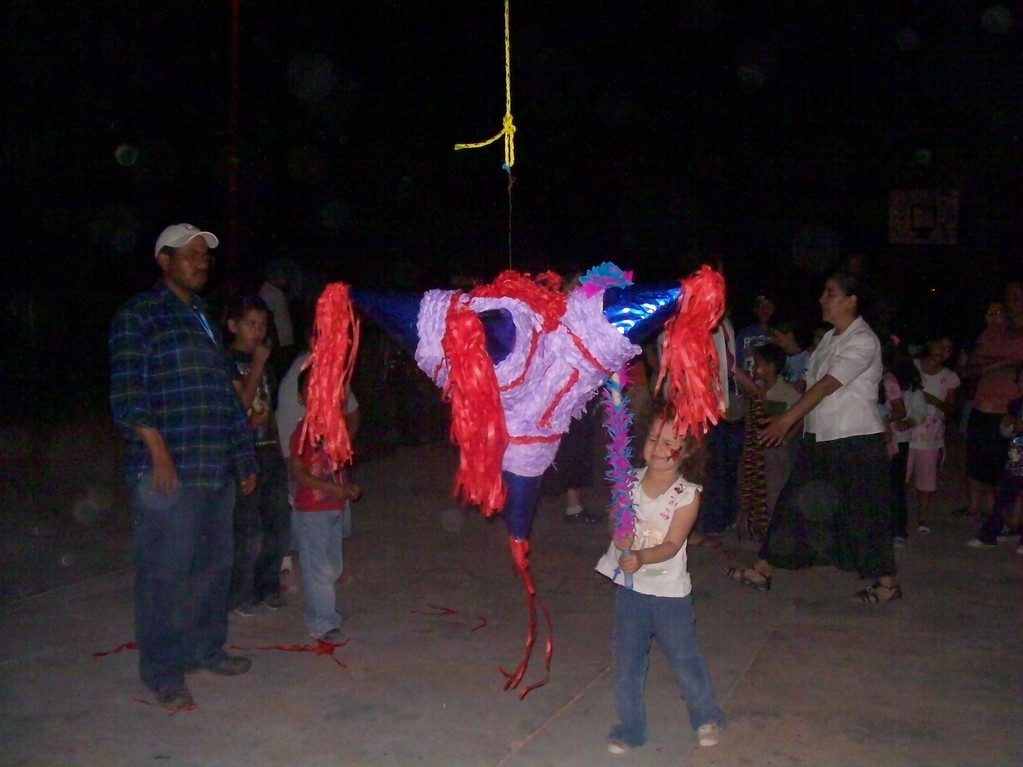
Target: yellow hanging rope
[{"x": 508, "y": 129}]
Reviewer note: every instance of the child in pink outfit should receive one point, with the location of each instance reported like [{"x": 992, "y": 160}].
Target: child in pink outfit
[{"x": 927, "y": 439}]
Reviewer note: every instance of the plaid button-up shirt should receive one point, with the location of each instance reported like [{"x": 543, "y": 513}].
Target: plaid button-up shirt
[{"x": 168, "y": 371}]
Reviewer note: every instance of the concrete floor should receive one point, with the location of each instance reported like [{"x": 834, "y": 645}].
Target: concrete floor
[{"x": 804, "y": 676}]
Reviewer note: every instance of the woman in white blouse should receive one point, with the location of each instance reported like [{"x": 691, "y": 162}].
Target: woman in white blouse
[{"x": 834, "y": 510}]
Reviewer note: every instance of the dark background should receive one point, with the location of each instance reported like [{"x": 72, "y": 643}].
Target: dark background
[{"x": 649, "y": 134}]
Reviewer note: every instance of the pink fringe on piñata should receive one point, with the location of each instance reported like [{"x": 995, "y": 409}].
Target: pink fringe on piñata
[
  {"x": 335, "y": 346},
  {"x": 477, "y": 416},
  {"x": 689, "y": 359}
]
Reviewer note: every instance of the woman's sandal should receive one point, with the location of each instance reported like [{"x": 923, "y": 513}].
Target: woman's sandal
[
  {"x": 738, "y": 574},
  {"x": 875, "y": 594}
]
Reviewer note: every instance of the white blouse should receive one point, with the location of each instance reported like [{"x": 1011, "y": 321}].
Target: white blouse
[{"x": 853, "y": 357}]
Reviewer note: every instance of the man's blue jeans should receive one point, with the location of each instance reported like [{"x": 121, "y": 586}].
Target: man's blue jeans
[
  {"x": 183, "y": 552},
  {"x": 638, "y": 619},
  {"x": 320, "y": 561}
]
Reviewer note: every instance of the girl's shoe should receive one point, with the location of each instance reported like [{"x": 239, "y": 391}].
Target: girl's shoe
[{"x": 708, "y": 735}]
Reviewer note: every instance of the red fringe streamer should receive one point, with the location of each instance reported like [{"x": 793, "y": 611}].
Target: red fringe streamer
[
  {"x": 689, "y": 359},
  {"x": 541, "y": 294},
  {"x": 520, "y": 558},
  {"x": 477, "y": 415},
  {"x": 335, "y": 346}
]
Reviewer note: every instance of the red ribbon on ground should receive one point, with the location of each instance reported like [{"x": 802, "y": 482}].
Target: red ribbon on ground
[
  {"x": 119, "y": 648},
  {"x": 441, "y": 610},
  {"x": 322, "y": 647}
]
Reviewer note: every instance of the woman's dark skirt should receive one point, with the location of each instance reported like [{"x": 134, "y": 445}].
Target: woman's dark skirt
[
  {"x": 986, "y": 448},
  {"x": 835, "y": 509}
]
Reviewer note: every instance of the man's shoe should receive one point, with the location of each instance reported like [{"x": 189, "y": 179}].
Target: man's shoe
[
  {"x": 977, "y": 543},
  {"x": 232, "y": 665},
  {"x": 334, "y": 635},
  {"x": 176, "y": 697},
  {"x": 275, "y": 602},
  {"x": 246, "y": 610}
]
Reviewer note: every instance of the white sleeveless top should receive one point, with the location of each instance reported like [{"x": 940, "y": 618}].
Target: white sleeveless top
[{"x": 653, "y": 516}]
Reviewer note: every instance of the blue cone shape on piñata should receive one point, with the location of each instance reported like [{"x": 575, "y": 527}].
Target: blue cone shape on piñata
[
  {"x": 393, "y": 311},
  {"x": 639, "y": 311}
]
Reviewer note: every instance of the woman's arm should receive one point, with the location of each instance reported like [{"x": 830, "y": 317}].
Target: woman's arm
[{"x": 776, "y": 429}]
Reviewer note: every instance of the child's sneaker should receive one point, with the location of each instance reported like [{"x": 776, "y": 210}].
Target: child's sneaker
[
  {"x": 246, "y": 610},
  {"x": 288, "y": 582},
  {"x": 977, "y": 543},
  {"x": 708, "y": 735},
  {"x": 899, "y": 542},
  {"x": 615, "y": 746},
  {"x": 1008, "y": 533},
  {"x": 923, "y": 529}
]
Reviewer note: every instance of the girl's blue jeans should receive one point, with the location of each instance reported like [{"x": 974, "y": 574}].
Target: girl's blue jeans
[{"x": 638, "y": 619}]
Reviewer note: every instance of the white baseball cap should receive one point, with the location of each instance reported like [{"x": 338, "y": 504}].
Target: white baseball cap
[{"x": 176, "y": 235}]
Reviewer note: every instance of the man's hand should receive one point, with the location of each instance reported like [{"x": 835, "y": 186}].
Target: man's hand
[
  {"x": 165, "y": 476},
  {"x": 249, "y": 484}
]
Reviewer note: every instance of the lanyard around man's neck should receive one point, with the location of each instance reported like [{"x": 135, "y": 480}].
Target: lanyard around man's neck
[{"x": 205, "y": 323}]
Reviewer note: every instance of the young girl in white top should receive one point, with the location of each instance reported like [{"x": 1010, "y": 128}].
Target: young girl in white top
[
  {"x": 659, "y": 602},
  {"x": 927, "y": 439}
]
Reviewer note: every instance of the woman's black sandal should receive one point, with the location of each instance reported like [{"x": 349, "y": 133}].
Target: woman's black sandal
[
  {"x": 738, "y": 574},
  {"x": 872, "y": 594}
]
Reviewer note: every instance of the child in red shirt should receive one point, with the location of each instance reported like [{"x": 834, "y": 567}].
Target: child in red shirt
[{"x": 319, "y": 501}]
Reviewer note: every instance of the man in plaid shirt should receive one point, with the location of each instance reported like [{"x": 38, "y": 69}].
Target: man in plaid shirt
[{"x": 189, "y": 450}]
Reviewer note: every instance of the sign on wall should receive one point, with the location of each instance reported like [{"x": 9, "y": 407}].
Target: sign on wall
[{"x": 923, "y": 217}]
